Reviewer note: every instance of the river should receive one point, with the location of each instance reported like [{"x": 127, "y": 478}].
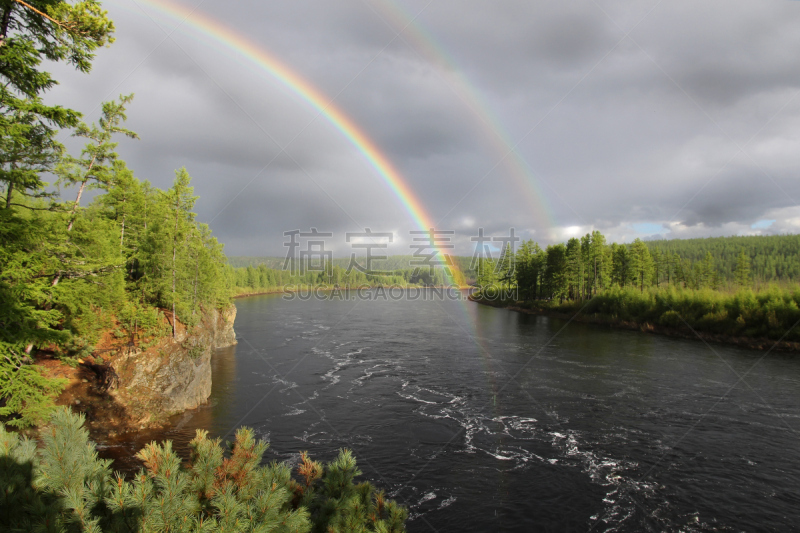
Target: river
[{"x": 484, "y": 419}]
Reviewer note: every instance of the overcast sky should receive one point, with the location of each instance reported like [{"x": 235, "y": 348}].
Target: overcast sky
[{"x": 653, "y": 119}]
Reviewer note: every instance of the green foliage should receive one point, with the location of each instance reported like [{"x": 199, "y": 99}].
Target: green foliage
[
  {"x": 772, "y": 258},
  {"x": 584, "y": 267},
  {"x": 31, "y": 245},
  {"x": 387, "y": 264},
  {"x": 742, "y": 274},
  {"x": 67, "y": 270},
  {"x": 65, "y": 487},
  {"x": 28, "y": 127},
  {"x": 773, "y": 313},
  {"x": 649, "y": 284},
  {"x": 252, "y": 279},
  {"x": 141, "y": 321},
  {"x": 29, "y": 394},
  {"x": 337, "y": 505}
]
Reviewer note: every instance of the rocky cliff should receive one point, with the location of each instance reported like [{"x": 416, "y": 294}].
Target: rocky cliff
[{"x": 172, "y": 376}]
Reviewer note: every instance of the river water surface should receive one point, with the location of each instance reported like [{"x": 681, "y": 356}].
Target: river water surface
[{"x": 484, "y": 419}]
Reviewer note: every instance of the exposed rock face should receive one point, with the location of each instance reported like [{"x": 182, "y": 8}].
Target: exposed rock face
[
  {"x": 174, "y": 375},
  {"x": 224, "y": 335}
]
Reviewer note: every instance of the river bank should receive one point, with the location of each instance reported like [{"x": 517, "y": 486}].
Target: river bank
[
  {"x": 126, "y": 386},
  {"x": 318, "y": 288},
  {"x": 685, "y": 332}
]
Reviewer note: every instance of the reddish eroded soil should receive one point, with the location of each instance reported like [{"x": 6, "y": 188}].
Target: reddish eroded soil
[
  {"x": 85, "y": 393},
  {"x": 87, "y": 388}
]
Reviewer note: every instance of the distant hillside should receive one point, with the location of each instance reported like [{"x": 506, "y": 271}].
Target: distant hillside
[
  {"x": 395, "y": 262},
  {"x": 244, "y": 261},
  {"x": 774, "y": 257}
]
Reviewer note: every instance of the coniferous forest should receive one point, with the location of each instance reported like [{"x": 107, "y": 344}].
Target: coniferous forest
[
  {"x": 87, "y": 247},
  {"x": 69, "y": 268},
  {"x": 339, "y": 273},
  {"x": 674, "y": 284}
]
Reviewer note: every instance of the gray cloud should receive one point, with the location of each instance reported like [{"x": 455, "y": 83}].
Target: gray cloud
[{"x": 678, "y": 125}]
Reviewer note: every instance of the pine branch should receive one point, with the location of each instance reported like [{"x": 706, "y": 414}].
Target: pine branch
[
  {"x": 79, "y": 274},
  {"x": 70, "y": 27},
  {"x": 53, "y": 207}
]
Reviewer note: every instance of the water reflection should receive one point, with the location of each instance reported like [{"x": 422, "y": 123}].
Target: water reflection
[{"x": 181, "y": 428}]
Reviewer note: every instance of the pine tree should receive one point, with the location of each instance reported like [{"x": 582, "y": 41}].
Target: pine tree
[
  {"x": 31, "y": 34},
  {"x": 586, "y": 265},
  {"x": 555, "y": 274},
  {"x": 658, "y": 267},
  {"x": 523, "y": 271},
  {"x": 641, "y": 263},
  {"x": 95, "y": 167},
  {"x": 179, "y": 200},
  {"x": 66, "y": 487},
  {"x": 505, "y": 266},
  {"x": 574, "y": 266},
  {"x": 708, "y": 273},
  {"x": 486, "y": 272},
  {"x": 621, "y": 269},
  {"x": 742, "y": 274}
]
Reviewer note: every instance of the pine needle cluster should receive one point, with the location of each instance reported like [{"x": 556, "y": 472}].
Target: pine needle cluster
[{"x": 64, "y": 486}]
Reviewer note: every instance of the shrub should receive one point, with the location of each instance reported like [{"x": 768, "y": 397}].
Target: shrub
[{"x": 65, "y": 487}]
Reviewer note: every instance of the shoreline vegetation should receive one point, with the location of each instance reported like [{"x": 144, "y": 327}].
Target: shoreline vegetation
[
  {"x": 325, "y": 288},
  {"x": 338, "y": 273},
  {"x": 650, "y": 287},
  {"x": 673, "y": 326}
]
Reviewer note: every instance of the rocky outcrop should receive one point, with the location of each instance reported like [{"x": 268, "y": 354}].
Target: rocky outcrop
[
  {"x": 172, "y": 376},
  {"x": 224, "y": 335}
]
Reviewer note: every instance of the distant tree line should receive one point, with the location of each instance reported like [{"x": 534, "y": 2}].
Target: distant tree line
[
  {"x": 386, "y": 264},
  {"x": 773, "y": 258},
  {"x": 649, "y": 285},
  {"x": 582, "y": 267},
  {"x": 263, "y": 279}
]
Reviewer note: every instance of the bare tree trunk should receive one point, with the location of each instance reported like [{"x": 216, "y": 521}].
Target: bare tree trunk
[
  {"x": 173, "y": 290},
  {"x": 174, "y": 250},
  {"x": 5, "y": 22},
  {"x": 196, "y": 272},
  {"x": 8, "y": 195},
  {"x": 75, "y": 207},
  {"x": 80, "y": 193}
]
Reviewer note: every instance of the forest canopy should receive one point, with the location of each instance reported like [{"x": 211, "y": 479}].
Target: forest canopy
[{"x": 71, "y": 269}]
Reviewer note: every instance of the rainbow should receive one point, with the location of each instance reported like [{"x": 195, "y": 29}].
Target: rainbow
[
  {"x": 217, "y": 32},
  {"x": 227, "y": 38},
  {"x": 492, "y": 129}
]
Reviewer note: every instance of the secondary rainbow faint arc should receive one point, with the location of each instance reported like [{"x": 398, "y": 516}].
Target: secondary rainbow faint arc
[
  {"x": 427, "y": 45},
  {"x": 228, "y": 38}
]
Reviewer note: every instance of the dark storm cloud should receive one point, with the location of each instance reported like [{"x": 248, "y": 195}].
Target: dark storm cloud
[
  {"x": 743, "y": 196},
  {"x": 676, "y": 125},
  {"x": 523, "y": 43}
]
